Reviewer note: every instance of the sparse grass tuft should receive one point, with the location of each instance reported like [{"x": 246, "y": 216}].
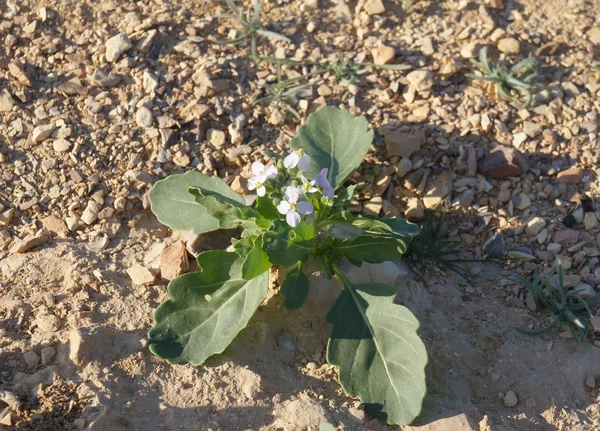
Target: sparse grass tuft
[
  {"x": 522, "y": 78},
  {"x": 251, "y": 27},
  {"x": 564, "y": 307}
]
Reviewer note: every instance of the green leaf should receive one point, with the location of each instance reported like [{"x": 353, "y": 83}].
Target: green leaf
[
  {"x": 286, "y": 246},
  {"x": 266, "y": 207},
  {"x": 372, "y": 249},
  {"x": 295, "y": 288},
  {"x": 206, "y": 309},
  {"x": 256, "y": 261},
  {"x": 380, "y": 356},
  {"x": 335, "y": 140},
  {"x": 398, "y": 227},
  {"x": 177, "y": 209},
  {"x": 343, "y": 198},
  {"x": 401, "y": 228},
  {"x": 229, "y": 213}
]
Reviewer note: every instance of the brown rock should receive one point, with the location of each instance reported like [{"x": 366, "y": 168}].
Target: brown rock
[
  {"x": 503, "y": 162},
  {"x": 141, "y": 275},
  {"x": 566, "y": 236},
  {"x": 374, "y": 7},
  {"x": 30, "y": 241},
  {"x": 439, "y": 190},
  {"x": 570, "y": 176},
  {"x": 55, "y": 225},
  {"x": 239, "y": 185},
  {"x": 401, "y": 144},
  {"x": 17, "y": 70},
  {"x": 174, "y": 261},
  {"x": 383, "y": 54}
]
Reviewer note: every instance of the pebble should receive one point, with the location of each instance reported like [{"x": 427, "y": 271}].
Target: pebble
[
  {"x": 47, "y": 354},
  {"x": 509, "y": 45},
  {"x": 143, "y": 117},
  {"x": 141, "y": 275},
  {"x": 6, "y": 101},
  {"x": 535, "y": 226},
  {"x": 415, "y": 210},
  {"x": 383, "y": 54},
  {"x": 523, "y": 201},
  {"x": 400, "y": 143},
  {"x": 374, "y": 7},
  {"x": 31, "y": 358},
  {"x": 115, "y": 46},
  {"x": 61, "y": 145},
  {"x": 590, "y": 221},
  {"x": 48, "y": 323},
  {"x": 570, "y": 176},
  {"x": 421, "y": 79},
  {"x": 510, "y": 399},
  {"x": 590, "y": 382},
  {"x": 495, "y": 247},
  {"x": 566, "y": 236},
  {"x": 439, "y": 189},
  {"x": 41, "y": 133},
  {"x": 216, "y": 137},
  {"x": 90, "y": 214},
  {"x": 174, "y": 261},
  {"x": 403, "y": 167},
  {"x": 6, "y": 217},
  {"x": 373, "y": 206},
  {"x": 502, "y": 163},
  {"x": 30, "y": 241}
]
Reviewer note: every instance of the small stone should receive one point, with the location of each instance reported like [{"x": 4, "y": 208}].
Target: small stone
[
  {"x": 595, "y": 322},
  {"x": 216, "y": 137},
  {"x": 515, "y": 254},
  {"x": 374, "y": 7},
  {"x": 590, "y": 221},
  {"x": 5, "y": 239},
  {"x": 31, "y": 358},
  {"x": 519, "y": 139},
  {"x": 30, "y": 241},
  {"x": 55, "y": 225},
  {"x": 47, "y": 354},
  {"x": 403, "y": 167},
  {"x": 383, "y": 54},
  {"x": 6, "y": 217},
  {"x": 105, "y": 80},
  {"x": 48, "y": 323},
  {"x": 415, "y": 210},
  {"x": 421, "y": 79},
  {"x": 312, "y": 366},
  {"x": 570, "y": 176},
  {"x": 509, "y": 45},
  {"x": 115, "y": 46},
  {"x": 73, "y": 87},
  {"x": 6, "y": 101},
  {"x": 593, "y": 35},
  {"x": 584, "y": 290},
  {"x": 143, "y": 117},
  {"x": 90, "y": 214},
  {"x": 503, "y": 162},
  {"x": 524, "y": 201},
  {"x": 495, "y": 247},
  {"x": 61, "y": 145},
  {"x": 470, "y": 50},
  {"x": 174, "y": 261},
  {"x": 41, "y": 133},
  {"x": 532, "y": 129},
  {"x": 239, "y": 185},
  {"x": 141, "y": 275},
  {"x": 590, "y": 382},
  {"x": 510, "y": 399},
  {"x": 439, "y": 190},
  {"x": 401, "y": 144},
  {"x": 373, "y": 207},
  {"x": 535, "y": 226},
  {"x": 564, "y": 237},
  {"x": 324, "y": 90}
]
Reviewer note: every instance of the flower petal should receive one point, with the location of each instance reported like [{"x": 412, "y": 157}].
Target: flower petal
[
  {"x": 328, "y": 192},
  {"x": 292, "y": 218},
  {"x": 304, "y": 162},
  {"x": 261, "y": 191},
  {"x": 305, "y": 208},
  {"x": 258, "y": 168},
  {"x": 291, "y": 161},
  {"x": 284, "y": 207},
  {"x": 271, "y": 172},
  {"x": 321, "y": 178},
  {"x": 291, "y": 194}
]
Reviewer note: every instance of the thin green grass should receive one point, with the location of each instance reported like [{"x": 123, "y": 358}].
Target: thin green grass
[
  {"x": 565, "y": 307},
  {"x": 520, "y": 79}
]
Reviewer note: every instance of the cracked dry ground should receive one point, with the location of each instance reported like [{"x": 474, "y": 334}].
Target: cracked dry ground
[{"x": 98, "y": 100}]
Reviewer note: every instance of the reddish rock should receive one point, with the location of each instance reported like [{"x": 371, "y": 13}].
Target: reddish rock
[
  {"x": 174, "y": 261},
  {"x": 570, "y": 176},
  {"x": 566, "y": 236},
  {"x": 503, "y": 162}
]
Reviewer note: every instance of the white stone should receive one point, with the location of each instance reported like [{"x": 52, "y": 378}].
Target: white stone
[
  {"x": 115, "y": 46},
  {"x": 143, "y": 117}
]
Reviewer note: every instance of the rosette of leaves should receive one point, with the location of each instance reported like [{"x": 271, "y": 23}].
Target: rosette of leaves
[{"x": 374, "y": 342}]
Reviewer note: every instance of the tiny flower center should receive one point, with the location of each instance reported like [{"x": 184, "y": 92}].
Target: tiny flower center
[
  {"x": 300, "y": 152},
  {"x": 293, "y": 206}
]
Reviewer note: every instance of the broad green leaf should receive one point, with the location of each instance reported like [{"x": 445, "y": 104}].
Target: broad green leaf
[
  {"x": 295, "y": 288},
  {"x": 206, "y": 310},
  {"x": 397, "y": 227},
  {"x": 343, "y": 198},
  {"x": 335, "y": 140},
  {"x": 380, "y": 356},
  {"x": 372, "y": 249},
  {"x": 229, "y": 213},
  {"x": 266, "y": 207},
  {"x": 286, "y": 246},
  {"x": 401, "y": 228},
  {"x": 256, "y": 261},
  {"x": 176, "y": 208}
]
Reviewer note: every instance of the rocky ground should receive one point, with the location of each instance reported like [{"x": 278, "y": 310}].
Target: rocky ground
[{"x": 99, "y": 100}]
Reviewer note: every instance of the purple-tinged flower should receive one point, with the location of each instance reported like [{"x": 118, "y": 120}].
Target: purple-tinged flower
[
  {"x": 323, "y": 182},
  {"x": 297, "y": 158},
  {"x": 291, "y": 208}
]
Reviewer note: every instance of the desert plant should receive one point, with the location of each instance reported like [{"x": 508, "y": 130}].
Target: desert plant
[
  {"x": 251, "y": 26},
  {"x": 521, "y": 78},
  {"x": 373, "y": 341},
  {"x": 565, "y": 307}
]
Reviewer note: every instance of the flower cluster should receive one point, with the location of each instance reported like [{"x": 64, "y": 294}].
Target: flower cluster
[{"x": 293, "y": 194}]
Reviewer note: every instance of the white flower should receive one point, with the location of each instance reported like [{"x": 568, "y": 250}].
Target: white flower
[
  {"x": 297, "y": 158},
  {"x": 307, "y": 186},
  {"x": 323, "y": 182},
  {"x": 291, "y": 208},
  {"x": 261, "y": 174}
]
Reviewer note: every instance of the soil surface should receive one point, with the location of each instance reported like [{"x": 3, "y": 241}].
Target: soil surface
[{"x": 89, "y": 120}]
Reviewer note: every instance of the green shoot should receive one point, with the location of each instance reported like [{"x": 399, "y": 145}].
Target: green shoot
[
  {"x": 521, "y": 78},
  {"x": 251, "y": 27},
  {"x": 564, "y": 307}
]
